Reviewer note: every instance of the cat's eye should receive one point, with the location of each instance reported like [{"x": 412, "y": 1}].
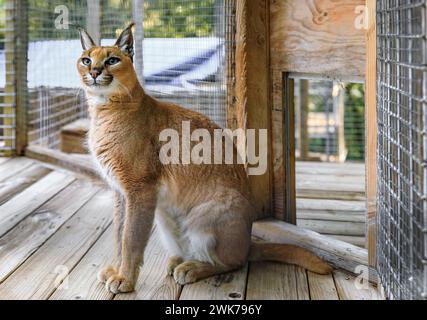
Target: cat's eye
[
  {"x": 86, "y": 61},
  {"x": 112, "y": 61}
]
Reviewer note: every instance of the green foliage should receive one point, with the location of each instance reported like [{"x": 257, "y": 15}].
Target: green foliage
[
  {"x": 354, "y": 122},
  {"x": 42, "y": 18},
  {"x": 179, "y": 19},
  {"x": 162, "y": 18},
  {"x": 2, "y": 23}
]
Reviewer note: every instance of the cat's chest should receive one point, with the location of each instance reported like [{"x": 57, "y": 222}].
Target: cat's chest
[{"x": 106, "y": 151}]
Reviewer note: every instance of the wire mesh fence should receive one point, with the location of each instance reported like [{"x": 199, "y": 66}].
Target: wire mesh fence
[
  {"x": 329, "y": 121},
  {"x": 7, "y": 88},
  {"x": 402, "y": 148},
  {"x": 181, "y": 45}
]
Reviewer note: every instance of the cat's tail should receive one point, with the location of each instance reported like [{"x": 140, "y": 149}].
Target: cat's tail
[{"x": 290, "y": 254}]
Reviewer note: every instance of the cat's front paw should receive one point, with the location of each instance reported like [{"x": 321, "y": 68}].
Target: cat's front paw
[
  {"x": 119, "y": 284},
  {"x": 105, "y": 273}
]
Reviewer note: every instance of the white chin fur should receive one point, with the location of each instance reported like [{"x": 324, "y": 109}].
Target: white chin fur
[{"x": 98, "y": 95}]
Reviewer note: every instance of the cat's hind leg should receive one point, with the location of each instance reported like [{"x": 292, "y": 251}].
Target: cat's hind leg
[
  {"x": 218, "y": 236},
  {"x": 192, "y": 271},
  {"x": 173, "y": 262}
]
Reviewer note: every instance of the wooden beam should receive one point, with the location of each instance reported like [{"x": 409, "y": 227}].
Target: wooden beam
[
  {"x": 252, "y": 85},
  {"x": 371, "y": 132},
  {"x": 8, "y": 111},
  {"x": 304, "y": 139},
  {"x": 20, "y": 68},
  {"x": 338, "y": 253},
  {"x": 290, "y": 212},
  {"x": 75, "y": 162}
]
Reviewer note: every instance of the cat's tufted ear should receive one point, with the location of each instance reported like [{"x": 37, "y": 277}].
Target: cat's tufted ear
[
  {"x": 85, "y": 38},
  {"x": 125, "y": 41}
]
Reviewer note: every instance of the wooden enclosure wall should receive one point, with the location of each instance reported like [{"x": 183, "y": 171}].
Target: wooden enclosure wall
[{"x": 325, "y": 38}]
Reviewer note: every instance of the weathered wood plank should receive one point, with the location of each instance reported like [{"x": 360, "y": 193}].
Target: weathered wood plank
[
  {"x": 82, "y": 281},
  {"x": 336, "y": 180},
  {"x": 31, "y": 198},
  {"x": 322, "y": 287},
  {"x": 4, "y": 159},
  {"x": 41, "y": 274},
  {"x": 330, "y": 168},
  {"x": 73, "y": 137},
  {"x": 271, "y": 281},
  {"x": 331, "y": 216},
  {"x": 342, "y": 228},
  {"x": 74, "y": 162},
  {"x": 347, "y": 290},
  {"x": 337, "y": 206},
  {"x": 17, "y": 183},
  {"x": 228, "y": 286},
  {"x": 153, "y": 282},
  {"x": 302, "y": 283},
  {"x": 13, "y": 166},
  {"x": 17, "y": 245},
  {"x": 357, "y": 241},
  {"x": 330, "y": 192},
  {"x": 317, "y": 37},
  {"x": 338, "y": 253},
  {"x": 334, "y": 185}
]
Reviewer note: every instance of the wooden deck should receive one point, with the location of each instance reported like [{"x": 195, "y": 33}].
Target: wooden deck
[
  {"x": 331, "y": 199},
  {"x": 55, "y": 234}
]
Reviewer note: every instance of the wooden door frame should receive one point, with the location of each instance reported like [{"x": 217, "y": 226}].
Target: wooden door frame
[
  {"x": 371, "y": 131},
  {"x": 252, "y": 89}
]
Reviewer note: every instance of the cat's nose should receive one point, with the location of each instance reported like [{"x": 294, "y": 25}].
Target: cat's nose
[{"x": 95, "y": 73}]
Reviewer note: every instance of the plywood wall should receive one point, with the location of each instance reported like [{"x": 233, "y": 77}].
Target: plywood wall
[{"x": 325, "y": 37}]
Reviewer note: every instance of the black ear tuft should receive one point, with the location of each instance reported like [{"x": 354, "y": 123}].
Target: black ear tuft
[
  {"x": 86, "y": 39},
  {"x": 125, "y": 41}
]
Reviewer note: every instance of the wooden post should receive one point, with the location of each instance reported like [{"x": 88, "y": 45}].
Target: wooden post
[
  {"x": 16, "y": 90},
  {"x": 94, "y": 20},
  {"x": 9, "y": 95},
  {"x": 304, "y": 139},
  {"x": 230, "y": 72},
  {"x": 21, "y": 58},
  {"x": 339, "y": 109},
  {"x": 252, "y": 85},
  {"x": 289, "y": 178},
  {"x": 138, "y": 18},
  {"x": 371, "y": 133}
]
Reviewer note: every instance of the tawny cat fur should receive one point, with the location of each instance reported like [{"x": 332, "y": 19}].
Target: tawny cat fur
[{"x": 204, "y": 213}]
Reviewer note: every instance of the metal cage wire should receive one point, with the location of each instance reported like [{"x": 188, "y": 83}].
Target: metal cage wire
[
  {"x": 402, "y": 147},
  {"x": 7, "y": 78},
  {"x": 185, "y": 44}
]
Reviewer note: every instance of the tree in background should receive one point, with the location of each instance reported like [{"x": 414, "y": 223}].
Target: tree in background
[{"x": 162, "y": 18}]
